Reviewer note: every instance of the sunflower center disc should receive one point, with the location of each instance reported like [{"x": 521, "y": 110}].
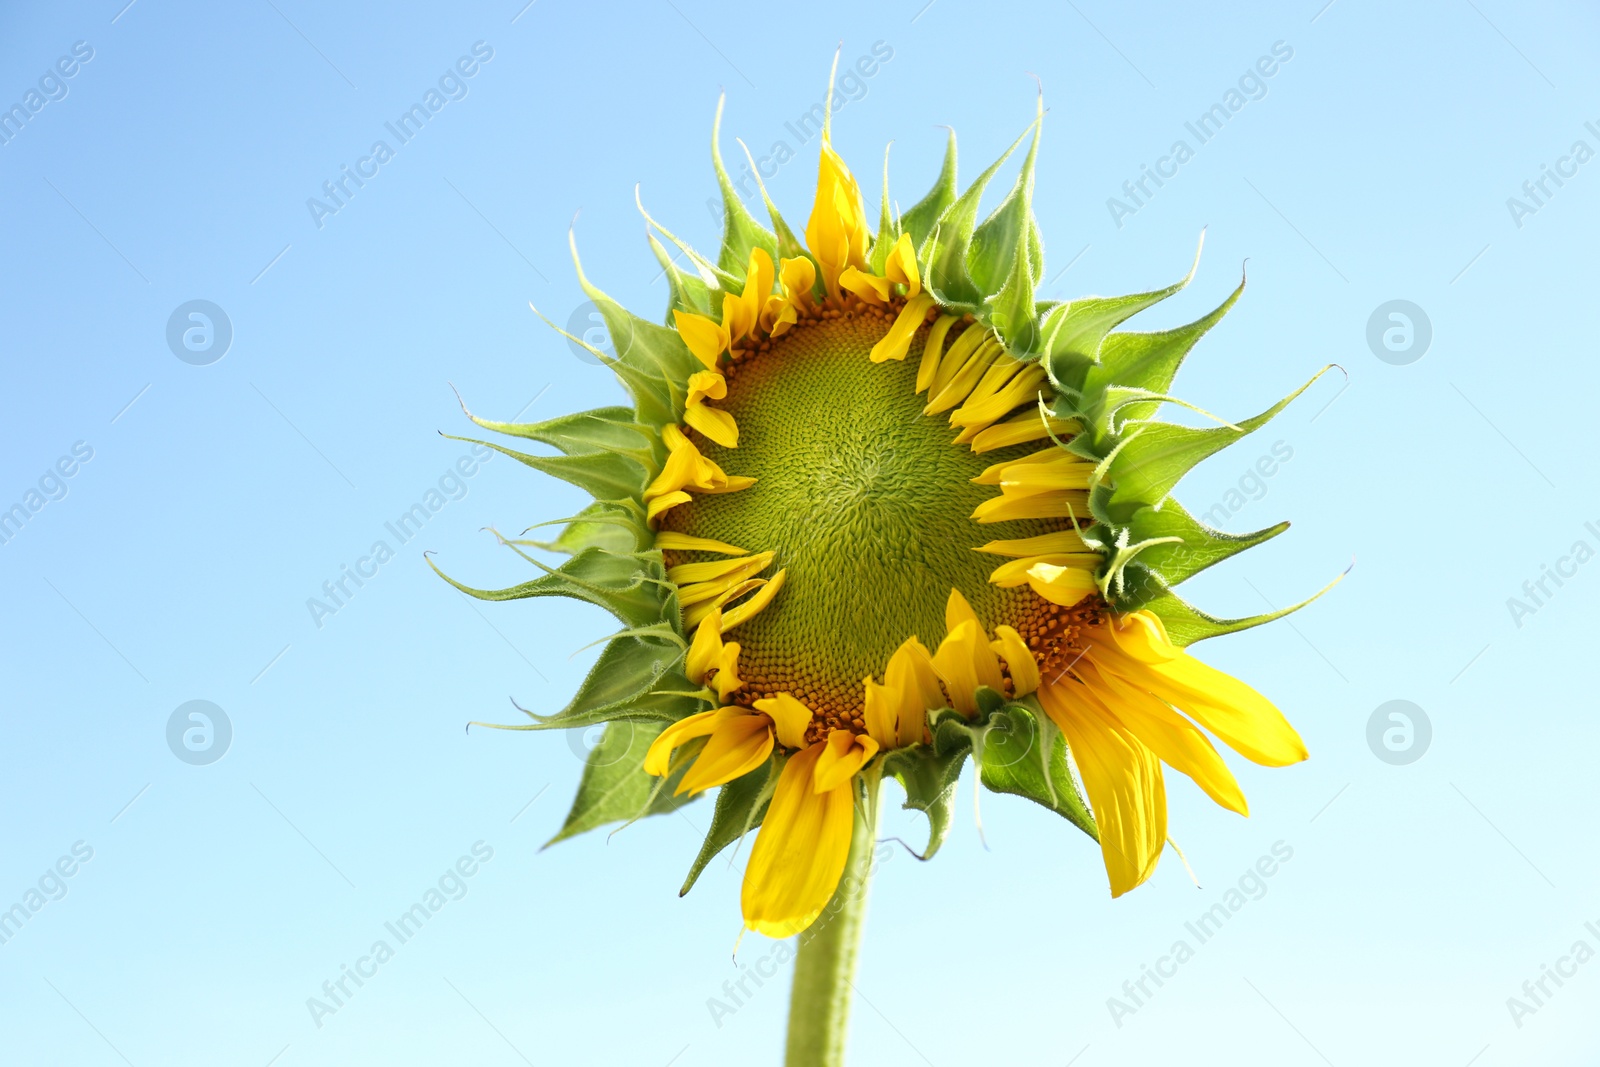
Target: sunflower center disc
[{"x": 864, "y": 499}]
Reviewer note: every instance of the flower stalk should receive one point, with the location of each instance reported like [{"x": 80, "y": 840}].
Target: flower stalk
[{"x": 825, "y": 966}]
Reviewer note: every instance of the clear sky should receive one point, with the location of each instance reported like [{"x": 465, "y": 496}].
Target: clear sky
[{"x": 187, "y": 484}]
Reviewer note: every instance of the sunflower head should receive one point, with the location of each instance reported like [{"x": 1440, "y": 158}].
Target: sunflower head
[{"x": 874, "y": 509}]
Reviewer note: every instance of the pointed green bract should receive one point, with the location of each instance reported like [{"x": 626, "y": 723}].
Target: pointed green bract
[
  {"x": 1187, "y": 624},
  {"x": 1147, "y": 361},
  {"x": 1182, "y": 547},
  {"x": 920, "y": 220},
  {"x": 1073, "y": 331},
  {"x": 789, "y": 246},
  {"x": 740, "y": 231},
  {"x": 636, "y": 593},
  {"x": 1161, "y": 453},
  {"x": 614, "y": 787},
  {"x": 943, "y": 256},
  {"x": 929, "y": 779},
  {"x": 603, "y": 476},
  {"x": 1025, "y": 755},
  {"x": 685, "y": 291},
  {"x": 741, "y": 805}
]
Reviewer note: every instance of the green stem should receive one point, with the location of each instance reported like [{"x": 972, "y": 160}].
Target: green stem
[{"x": 825, "y": 968}]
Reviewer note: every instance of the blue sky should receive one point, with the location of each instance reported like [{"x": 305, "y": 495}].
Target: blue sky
[{"x": 1383, "y": 159}]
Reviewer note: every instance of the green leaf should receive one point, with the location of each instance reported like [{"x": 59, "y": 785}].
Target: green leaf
[
  {"x": 920, "y": 220},
  {"x": 614, "y": 787},
  {"x": 601, "y": 525},
  {"x": 1023, "y": 753},
  {"x": 685, "y": 291},
  {"x": 628, "y": 670},
  {"x": 789, "y": 246},
  {"x": 1073, "y": 331},
  {"x": 632, "y": 589},
  {"x": 1011, "y": 313},
  {"x": 888, "y": 227},
  {"x": 741, "y": 232},
  {"x": 651, "y": 360},
  {"x": 929, "y": 779},
  {"x": 581, "y": 432},
  {"x": 603, "y": 475},
  {"x": 1187, "y": 624},
  {"x": 1141, "y": 361},
  {"x": 1170, "y": 562},
  {"x": 1156, "y": 455},
  {"x": 943, "y": 255},
  {"x": 741, "y": 805},
  {"x": 1009, "y": 233}
]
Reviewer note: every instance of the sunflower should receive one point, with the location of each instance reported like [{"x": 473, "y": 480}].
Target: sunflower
[{"x": 875, "y": 509}]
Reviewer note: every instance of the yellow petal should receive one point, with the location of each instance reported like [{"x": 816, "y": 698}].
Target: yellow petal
[
  {"x": 1175, "y": 740},
  {"x": 984, "y": 410},
  {"x": 658, "y": 759},
  {"x": 672, "y": 541},
  {"x": 1028, "y": 426},
  {"x": 740, "y": 742},
  {"x": 912, "y": 679},
  {"x": 958, "y": 663},
  {"x": 665, "y": 502},
  {"x": 964, "y": 378},
  {"x": 933, "y": 350},
  {"x": 757, "y": 287},
  {"x": 799, "y": 278},
  {"x": 718, "y": 569},
  {"x": 882, "y": 712},
  {"x": 1242, "y": 718},
  {"x": 789, "y": 716},
  {"x": 715, "y": 423},
  {"x": 1065, "y": 586},
  {"x": 1014, "y": 650},
  {"x": 958, "y": 611},
  {"x": 1124, "y": 783},
  {"x": 1142, "y": 635},
  {"x": 845, "y": 754},
  {"x": 706, "y": 339},
  {"x": 1017, "y": 572},
  {"x": 728, "y": 680},
  {"x": 800, "y": 852},
  {"x": 897, "y": 342},
  {"x": 901, "y": 266},
  {"x": 1060, "y": 504},
  {"x": 756, "y": 604},
  {"x": 836, "y": 233},
  {"x": 705, "y": 649},
  {"x": 869, "y": 287},
  {"x": 694, "y": 614},
  {"x": 1062, "y": 542}
]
